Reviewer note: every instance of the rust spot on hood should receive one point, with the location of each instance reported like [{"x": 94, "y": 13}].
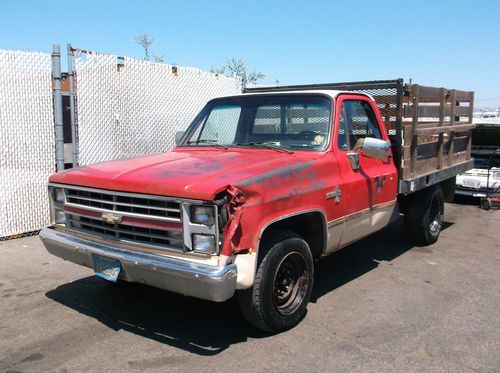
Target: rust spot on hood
[{"x": 296, "y": 170}]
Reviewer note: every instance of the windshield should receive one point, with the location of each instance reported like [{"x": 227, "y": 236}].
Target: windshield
[{"x": 294, "y": 122}]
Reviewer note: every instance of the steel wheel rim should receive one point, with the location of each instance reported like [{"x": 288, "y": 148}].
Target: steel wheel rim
[
  {"x": 290, "y": 283},
  {"x": 436, "y": 217}
]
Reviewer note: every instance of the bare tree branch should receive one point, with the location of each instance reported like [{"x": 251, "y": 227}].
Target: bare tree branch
[
  {"x": 158, "y": 58},
  {"x": 145, "y": 42},
  {"x": 237, "y": 68}
]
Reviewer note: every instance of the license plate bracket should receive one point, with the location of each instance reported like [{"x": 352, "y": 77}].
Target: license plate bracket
[{"x": 108, "y": 269}]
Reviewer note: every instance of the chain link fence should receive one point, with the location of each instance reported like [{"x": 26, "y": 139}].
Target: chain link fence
[
  {"x": 27, "y": 155},
  {"x": 127, "y": 107}
]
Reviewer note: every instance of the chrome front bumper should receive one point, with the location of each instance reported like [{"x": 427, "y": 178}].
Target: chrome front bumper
[{"x": 179, "y": 276}]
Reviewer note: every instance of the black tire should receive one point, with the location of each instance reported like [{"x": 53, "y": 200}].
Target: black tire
[
  {"x": 424, "y": 216},
  {"x": 485, "y": 204},
  {"x": 282, "y": 288}
]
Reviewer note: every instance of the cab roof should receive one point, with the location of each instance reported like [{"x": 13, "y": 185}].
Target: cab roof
[{"x": 326, "y": 92}]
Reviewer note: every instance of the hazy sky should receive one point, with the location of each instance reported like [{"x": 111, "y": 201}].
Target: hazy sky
[{"x": 442, "y": 42}]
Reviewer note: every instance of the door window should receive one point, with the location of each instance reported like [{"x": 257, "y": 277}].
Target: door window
[{"x": 357, "y": 121}]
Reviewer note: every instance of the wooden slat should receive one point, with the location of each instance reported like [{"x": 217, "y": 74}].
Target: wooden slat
[
  {"x": 436, "y": 130},
  {"x": 415, "y": 92},
  {"x": 464, "y": 96},
  {"x": 433, "y": 111},
  {"x": 436, "y": 93},
  {"x": 426, "y": 166},
  {"x": 432, "y": 148},
  {"x": 428, "y": 92},
  {"x": 469, "y": 135},
  {"x": 459, "y": 158},
  {"x": 452, "y": 122},
  {"x": 441, "y": 123}
]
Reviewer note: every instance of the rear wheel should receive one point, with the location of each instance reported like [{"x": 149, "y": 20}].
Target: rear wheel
[
  {"x": 424, "y": 216},
  {"x": 282, "y": 287}
]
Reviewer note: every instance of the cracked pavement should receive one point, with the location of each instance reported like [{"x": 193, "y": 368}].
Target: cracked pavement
[{"x": 378, "y": 305}]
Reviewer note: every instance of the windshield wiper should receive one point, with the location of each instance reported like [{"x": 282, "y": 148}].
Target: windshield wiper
[
  {"x": 268, "y": 145},
  {"x": 212, "y": 143}
]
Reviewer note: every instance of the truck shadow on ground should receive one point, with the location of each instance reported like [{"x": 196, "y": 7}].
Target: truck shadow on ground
[
  {"x": 208, "y": 328},
  {"x": 361, "y": 257}
]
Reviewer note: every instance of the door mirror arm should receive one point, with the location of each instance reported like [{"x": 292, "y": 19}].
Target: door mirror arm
[{"x": 353, "y": 158}]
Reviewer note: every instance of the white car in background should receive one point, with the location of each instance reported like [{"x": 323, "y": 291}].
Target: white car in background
[{"x": 484, "y": 179}]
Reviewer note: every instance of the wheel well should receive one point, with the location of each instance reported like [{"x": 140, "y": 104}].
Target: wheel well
[
  {"x": 448, "y": 188},
  {"x": 310, "y": 226}
]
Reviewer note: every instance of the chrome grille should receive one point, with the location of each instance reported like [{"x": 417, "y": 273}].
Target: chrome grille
[
  {"x": 157, "y": 237},
  {"x": 147, "y": 220},
  {"x": 124, "y": 202}
]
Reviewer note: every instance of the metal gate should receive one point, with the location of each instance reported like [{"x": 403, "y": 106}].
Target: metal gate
[{"x": 27, "y": 155}]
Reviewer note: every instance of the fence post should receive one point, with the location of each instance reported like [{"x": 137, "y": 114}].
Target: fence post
[
  {"x": 58, "y": 108},
  {"x": 72, "y": 101}
]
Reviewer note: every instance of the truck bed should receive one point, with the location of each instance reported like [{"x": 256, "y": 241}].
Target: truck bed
[{"x": 430, "y": 128}]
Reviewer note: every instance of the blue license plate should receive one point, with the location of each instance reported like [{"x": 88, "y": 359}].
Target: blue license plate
[{"x": 108, "y": 269}]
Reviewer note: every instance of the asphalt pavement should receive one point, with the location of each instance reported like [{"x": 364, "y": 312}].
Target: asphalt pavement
[{"x": 379, "y": 305}]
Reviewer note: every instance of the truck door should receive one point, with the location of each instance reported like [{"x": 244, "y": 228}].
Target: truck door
[{"x": 368, "y": 194}]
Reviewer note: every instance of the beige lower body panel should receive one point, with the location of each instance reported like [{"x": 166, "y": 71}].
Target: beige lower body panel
[{"x": 346, "y": 230}]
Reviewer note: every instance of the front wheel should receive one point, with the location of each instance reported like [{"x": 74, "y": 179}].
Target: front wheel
[{"x": 282, "y": 287}]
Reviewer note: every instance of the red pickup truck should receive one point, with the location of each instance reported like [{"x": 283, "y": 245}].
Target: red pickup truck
[{"x": 263, "y": 184}]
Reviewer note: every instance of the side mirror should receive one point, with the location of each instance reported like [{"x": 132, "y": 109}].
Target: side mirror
[
  {"x": 178, "y": 137},
  {"x": 373, "y": 148}
]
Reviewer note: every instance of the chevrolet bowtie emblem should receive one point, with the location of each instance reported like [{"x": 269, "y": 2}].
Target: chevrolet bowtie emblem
[{"x": 111, "y": 218}]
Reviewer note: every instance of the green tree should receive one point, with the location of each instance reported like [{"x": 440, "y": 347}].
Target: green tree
[{"x": 237, "y": 68}]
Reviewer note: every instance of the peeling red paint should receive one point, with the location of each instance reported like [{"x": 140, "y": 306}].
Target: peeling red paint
[{"x": 233, "y": 229}]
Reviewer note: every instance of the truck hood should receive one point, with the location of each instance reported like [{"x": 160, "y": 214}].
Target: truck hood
[{"x": 191, "y": 174}]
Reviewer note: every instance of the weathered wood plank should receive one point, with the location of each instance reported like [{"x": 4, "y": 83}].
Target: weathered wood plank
[
  {"x": 464, "y": 96},
  {"x": 431, "y": 149},
  {"x": 426, "y": 165},
  {"x": 437, "y": 130},
  {"x": 415, "y": 92},
  {"x": 469, "y": 135},
  {"x": 439, "y": 149},
  {"x": 429, "y": 92},
  {"x": 428, "y": 111},
  {"x": 452, "y": 122}
]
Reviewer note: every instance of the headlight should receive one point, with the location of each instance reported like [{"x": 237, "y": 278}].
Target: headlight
[
  {"x": 204, "y": 243},
  {"x": 59, "y": 195},
  {"x": 202, "y": 215},
  {"x": 59, "y": 216}
]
